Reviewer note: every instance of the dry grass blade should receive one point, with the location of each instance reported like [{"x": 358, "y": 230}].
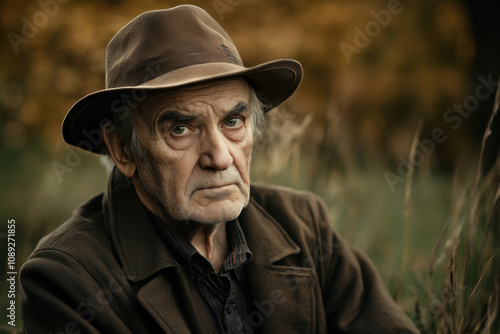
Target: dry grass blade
[
  {"x": 437, "y": 247},
  {"x": 491, "y": 165},
  {"x": 483, "y": 167},
  {"x": 407, "y": 211},
  {"x": 493, "y": 301},
  {"x": 495, "y": 209},
  {"x": 485, "y": 269},
  {"x": 490, "y": 143}
]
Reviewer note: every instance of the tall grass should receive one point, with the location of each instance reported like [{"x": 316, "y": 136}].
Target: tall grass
[
  {"x": 464, "y": 266},
  {"x": 447, "y": 276},
  {"x": 470, "y": 290}
]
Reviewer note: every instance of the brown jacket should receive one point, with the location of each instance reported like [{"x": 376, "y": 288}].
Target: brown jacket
[{"x": 107, "y": 270}]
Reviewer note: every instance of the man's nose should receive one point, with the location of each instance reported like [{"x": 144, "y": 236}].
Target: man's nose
[{"x": 215, "y": 151}]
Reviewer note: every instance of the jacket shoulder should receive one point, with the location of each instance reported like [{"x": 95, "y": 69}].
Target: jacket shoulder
[
  {"x": 272, "y": 195},
  {"x": 294, "y": 210},
  {"x": 275, "y": 199},
  {"x": 83, "y": 233}
]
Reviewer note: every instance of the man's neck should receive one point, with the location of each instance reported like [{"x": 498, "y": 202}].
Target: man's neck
[
  {"x": 209, "y": 240},
  {"x": 212, "y": 243}
]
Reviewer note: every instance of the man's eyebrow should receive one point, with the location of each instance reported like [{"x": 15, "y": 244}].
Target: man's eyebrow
[
  {"x": 238, "y": 109},
  {"x": 174, "y": 117}
]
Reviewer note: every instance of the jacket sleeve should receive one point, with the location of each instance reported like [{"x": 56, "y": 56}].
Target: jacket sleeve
[
  {"x": 58, "y": 295},
  {"x": 354, "y": 296}
]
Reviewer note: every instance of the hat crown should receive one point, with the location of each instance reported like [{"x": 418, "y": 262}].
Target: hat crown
[
  {"x": 162, "y": 41},
  {"x": 164, "y": 50}
]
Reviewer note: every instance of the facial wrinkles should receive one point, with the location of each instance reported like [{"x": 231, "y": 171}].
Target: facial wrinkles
[
  {"x": 214, "y": 179},
  {"x": 199, "y": 103},
  {"x": 207, "y": 178},
  {"x": 164, "y": 173}
]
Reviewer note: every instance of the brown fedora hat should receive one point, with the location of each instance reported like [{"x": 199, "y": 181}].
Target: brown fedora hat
[{"x": 166, "y": 49}]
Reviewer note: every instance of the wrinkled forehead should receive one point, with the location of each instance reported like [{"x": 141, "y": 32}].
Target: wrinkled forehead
[{"x": 216, "y": 94}]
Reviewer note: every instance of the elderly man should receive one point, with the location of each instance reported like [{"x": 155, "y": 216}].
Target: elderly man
[{"x": 181, "y": 242}]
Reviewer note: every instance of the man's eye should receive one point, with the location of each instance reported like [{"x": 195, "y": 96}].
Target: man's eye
[
  {"x": 180, "y": 130},
  {"x": 234, "y": 122}
]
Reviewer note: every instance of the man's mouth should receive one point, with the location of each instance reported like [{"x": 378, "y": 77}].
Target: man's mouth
[
  {"x": 217, "y": 192},
  {"x": 217, "y": 186}
]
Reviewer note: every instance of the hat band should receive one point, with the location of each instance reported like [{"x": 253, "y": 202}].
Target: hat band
[{"x": 172, "y": 64}]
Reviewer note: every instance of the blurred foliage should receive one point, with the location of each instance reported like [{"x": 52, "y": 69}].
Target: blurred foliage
[{"x": 417, "y": 66}]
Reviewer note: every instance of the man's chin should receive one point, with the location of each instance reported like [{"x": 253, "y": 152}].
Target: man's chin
[{"x": 216, "y": 212}]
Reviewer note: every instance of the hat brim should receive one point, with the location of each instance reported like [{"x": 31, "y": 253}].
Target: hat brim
[{"x": 273, "y": 82}]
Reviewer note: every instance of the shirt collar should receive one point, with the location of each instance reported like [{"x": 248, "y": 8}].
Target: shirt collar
[
  {"x": 183, "y": 250},
  {"x": 240, "y": 254},
  {"x": 186, "y": 253}
]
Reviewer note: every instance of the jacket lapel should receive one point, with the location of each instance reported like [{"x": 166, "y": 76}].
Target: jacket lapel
[
  {"x": 140, "y": 249},
  {"x": 284, "y": 297},
  {"x": 160, "y": 286},
  {"x": 175, "y": 305}
]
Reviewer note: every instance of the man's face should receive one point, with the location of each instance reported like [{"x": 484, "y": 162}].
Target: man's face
[{"x": 197, "y": 143}]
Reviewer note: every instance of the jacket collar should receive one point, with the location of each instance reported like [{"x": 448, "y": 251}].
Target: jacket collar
[
  {"x": 267, "y": 240},
  {"x": 139, "y": 247},
  {"x": 142, "y": 252}
]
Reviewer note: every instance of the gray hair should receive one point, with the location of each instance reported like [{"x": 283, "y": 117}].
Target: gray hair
[{"x": 124, "y": 127}]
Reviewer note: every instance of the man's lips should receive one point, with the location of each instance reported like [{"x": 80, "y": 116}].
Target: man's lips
[
  {"x": 216, "y": 192},
  {"x": 219, "y": 186}
]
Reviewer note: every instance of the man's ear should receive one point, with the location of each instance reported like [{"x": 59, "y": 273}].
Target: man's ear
[{"x": 120, "y": 153}]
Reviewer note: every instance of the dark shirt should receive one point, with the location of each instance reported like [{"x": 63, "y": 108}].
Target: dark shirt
[{"x": 224, "y": 293}]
